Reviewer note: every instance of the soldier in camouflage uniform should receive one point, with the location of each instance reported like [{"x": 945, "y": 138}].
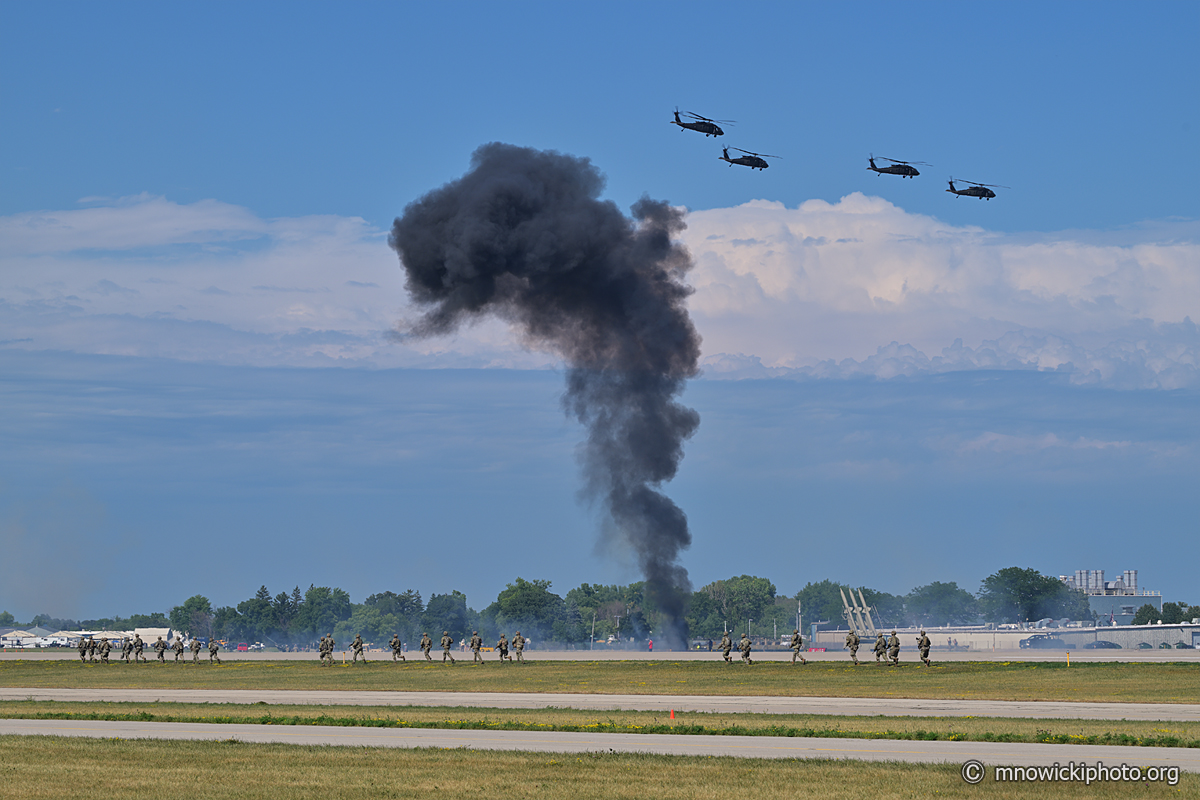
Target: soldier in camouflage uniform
[
  {"x": 426, "y": 645},
  {"x": 796, "y": 645},
  {"x": 138, "y": 647},
  {"x": 476, "y": 646},
  {"x": 357, "y": 647},
  {"x": 744, "y": 646},
  {"x": 518, "y": 644},
  {"x": 83, "y": 649},
  {"x": 213, "y": 647},
  {"x": 726, "y": 646},
  {"x": 126, "y": 649},
  {"x": 923, "y": 644},
  {"x": 502, "y": 648},
  {"x": 447, "y": 642},
  {"x": 177, "y": 648},
  {"x": 397, "y": 648},
  {"x": 329, "y": 648},
  {"x": 894, "y": 648},
  {"x": 195, "y": 650},
  {"x": 880, "y": 646},
  {"x": 105, "y": 649},
  {"x": 93, "y": 646},
  {"x": 160, "y": 647},
  {"x": 852, "y": 645}
]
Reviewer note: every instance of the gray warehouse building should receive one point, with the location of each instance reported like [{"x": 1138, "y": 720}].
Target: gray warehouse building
[{"x": 1113, "y": 602}]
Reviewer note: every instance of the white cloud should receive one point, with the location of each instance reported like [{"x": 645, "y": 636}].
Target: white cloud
[
  {"x": 858, "y": 287},
  {"x": 821, "y": 289}
]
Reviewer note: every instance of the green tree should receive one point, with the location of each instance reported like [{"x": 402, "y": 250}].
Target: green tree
[
  {"x": 447, "y": 612},
  {"x": 194, "y": 616},
  {"x": 1146, "y": 615},
  {"x": 53, "y": 623},
  {"x": 941, "y": 604},
  {"x": 822, "y": 602},
  {"x": 322, "y": 609},
  {"x": 529, "y": 606},
  {"x": 1014, "y": 594},
  {"x": 1175, "y": 613},
  {"x": 734, "y": 602},
  {"x": 7, "y": 620}
]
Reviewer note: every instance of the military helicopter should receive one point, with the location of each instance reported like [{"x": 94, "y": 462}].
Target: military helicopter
[
  {"x": 751, "y": 160},
  {"x": 901, "y": 168},
  {"x": 979, "y": 190},
  {"x": 708, "y": 127}
]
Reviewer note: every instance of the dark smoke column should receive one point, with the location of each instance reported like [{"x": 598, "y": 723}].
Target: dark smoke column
[{"x": 524, "y": 236}]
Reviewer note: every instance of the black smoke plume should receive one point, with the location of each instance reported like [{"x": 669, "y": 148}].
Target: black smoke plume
[{"x": 524, "y": 236}]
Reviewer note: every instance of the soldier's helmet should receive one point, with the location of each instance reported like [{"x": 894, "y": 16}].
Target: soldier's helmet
[
  {"x": 474, "y": 633},
  {"x": 796, "y": 630},
  {"x": 743, "y": 636},
  {"x": 893, "y": 633},
  {"x": 922, "y": 633},
  {"x": 518, "y": 633},
  {"x": 445, "y": 633}
]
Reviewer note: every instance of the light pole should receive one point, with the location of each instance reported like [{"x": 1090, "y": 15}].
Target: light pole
[
  {"x": 592, "y": 644},
  {"x": 748, "y": 621}
]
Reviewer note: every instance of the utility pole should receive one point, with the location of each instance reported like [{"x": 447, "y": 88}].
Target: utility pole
[{"x": 592, "y": 645}]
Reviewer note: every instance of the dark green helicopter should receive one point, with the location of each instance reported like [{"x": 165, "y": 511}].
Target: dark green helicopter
[
  {"x": 979, "y": 190},
  {"x": 751, "y": 160},
  {"x": 897, "y": 167},
  {"x": 708, "y": 127}
]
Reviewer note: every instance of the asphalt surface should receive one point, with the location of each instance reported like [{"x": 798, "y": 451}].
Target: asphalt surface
[
  {"x": 907, "y": 656},
  {"x": 861, "y": 706},
  {"x": 666, "y": 744}
]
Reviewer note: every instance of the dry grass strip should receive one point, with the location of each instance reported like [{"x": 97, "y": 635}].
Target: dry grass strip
[{"x": 37, "y": 767}]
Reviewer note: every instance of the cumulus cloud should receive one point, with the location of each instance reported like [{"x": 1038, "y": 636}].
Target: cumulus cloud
[
  {"x": 862, "y": 287},
  {"x": 854, "y": 288}
]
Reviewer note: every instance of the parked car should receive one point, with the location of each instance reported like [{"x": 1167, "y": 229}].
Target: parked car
[
  {"x": 243, "y": 647},
  {"x": 1145, "y": 646},
  {"x": 1043, "y": 641},
  {"x": 1101, "y": 644}
]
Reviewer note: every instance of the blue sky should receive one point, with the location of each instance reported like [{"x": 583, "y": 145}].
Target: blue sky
[{"x": 195, "y": 291}]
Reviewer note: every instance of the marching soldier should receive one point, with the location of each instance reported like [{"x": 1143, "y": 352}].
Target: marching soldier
[
  {"x": 126, "y": 649},
  {"x": 894, "y": 648},
  {"x": 105, "y": 649},
  {"x": 195, "y": 650},
  {"x": 138, "y": 647},
  {"x": 357, "y": 647},
  {"x": 397, "y": 648},
  {"x": 426, "y": 645},
  {"x": 518, "y": 644},
  {"x": 852, "y": 645},
  {"x": 797, "y": 644},
  {"x": 160, "y": 647},
  {"x": 476, "y": 646},
  {"x": 322, "y": 648},
  {"x": 744, "y": 646},
  {"x": 83, "y": 640},
  {"x": 502, "y": 648},
  {"x": 213, "y": 647},
  {"x": 177, "y": 647},
  {"x": 880, "y": 646},
  {"x": 726, "y": 646},
  {"x": 447, "y": 642},
  {"x": 93, "y": 646},
  {"x": 329, "y": 647},
  {"x": 923, "y": 644}
]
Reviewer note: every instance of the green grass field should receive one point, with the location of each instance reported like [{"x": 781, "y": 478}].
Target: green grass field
[
  {"x": 985, "y": 729},
  {"x": 36, "y": 767},
  {"x": 1106, "y": 682}
]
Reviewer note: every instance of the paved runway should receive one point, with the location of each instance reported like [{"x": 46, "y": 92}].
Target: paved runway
[
  {"x": 906, "y": 656},
  {"x": 667, "y": 744},
  {"x": 632, "y": 702}
]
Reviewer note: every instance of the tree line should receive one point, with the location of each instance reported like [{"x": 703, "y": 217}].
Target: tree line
[{"x": 597, "y": 612}]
